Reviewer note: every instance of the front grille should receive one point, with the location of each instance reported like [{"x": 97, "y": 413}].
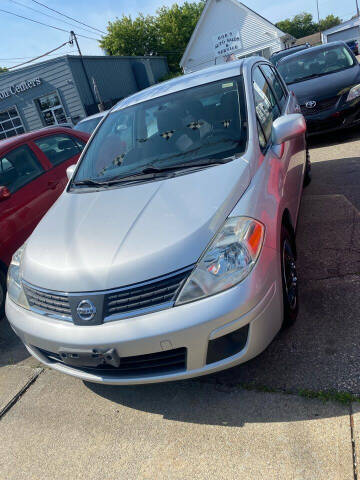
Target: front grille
[
  {"x": 321, "y": 106},
  {"x": 159, "y": 363},
  {"x": 147, "y": 295},
  {"x": 52, "y": 303},
  {"x": 120, "y": 303}
]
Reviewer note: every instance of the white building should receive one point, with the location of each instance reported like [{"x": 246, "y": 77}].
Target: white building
[
  {"x": 228, "y": 29},
  {"x": 346, "y": 31}
]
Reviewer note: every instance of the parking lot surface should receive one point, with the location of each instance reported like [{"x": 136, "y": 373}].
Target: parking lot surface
[{"x": 225, "y": 425}]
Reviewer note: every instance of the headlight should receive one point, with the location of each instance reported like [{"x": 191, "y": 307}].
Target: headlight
[
  {"x": 227, "y": 261},
  {"x": 354, "y": 93},
  {"x": 14, "y": 285}
]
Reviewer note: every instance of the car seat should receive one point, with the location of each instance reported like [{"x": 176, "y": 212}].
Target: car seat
[{"x": 332, "y": 60}]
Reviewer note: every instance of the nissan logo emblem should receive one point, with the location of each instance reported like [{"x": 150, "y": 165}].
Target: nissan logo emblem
[
  {"x": 310, "y": 104},
  {"x": 86, "y": 310}
]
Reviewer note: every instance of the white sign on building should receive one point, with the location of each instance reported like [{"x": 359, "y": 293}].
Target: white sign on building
[
  {"x": 227, "y": 42},
  {"x": 228, "y": 29}
]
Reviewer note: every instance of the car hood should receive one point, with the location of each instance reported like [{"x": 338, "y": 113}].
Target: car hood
[
  {"x": 110, "y": 238},
  {"x": 326, "y": 86}
]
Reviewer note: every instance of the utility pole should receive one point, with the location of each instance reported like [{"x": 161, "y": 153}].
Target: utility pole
[
  {"x": 357, "y": 8},
  {"x": 73, "y": 37},
  {"x": 318, "y": 14}
]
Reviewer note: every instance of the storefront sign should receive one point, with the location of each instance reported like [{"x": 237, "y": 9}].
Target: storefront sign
[
  {"x": 19, "y": 88},
  {"x": 227, "y": 43}
]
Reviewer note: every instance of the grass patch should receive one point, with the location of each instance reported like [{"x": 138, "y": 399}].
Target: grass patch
[
  {"x": 345, "y": 398},
  {"x": 330, "y": 396}
]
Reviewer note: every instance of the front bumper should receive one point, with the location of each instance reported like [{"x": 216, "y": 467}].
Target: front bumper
[
  {"x": 342, "y": 116},
  {"x": 256, "y": 304}
]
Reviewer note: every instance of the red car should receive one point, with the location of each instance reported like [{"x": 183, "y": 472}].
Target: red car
[{"x": 32, "y": 176}]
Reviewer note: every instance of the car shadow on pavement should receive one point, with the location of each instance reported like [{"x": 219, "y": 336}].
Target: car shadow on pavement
[
  {"x": 337, "y": 137},
  {"x": 196, "y": 402},
  {"x": 12, "y": 350}
]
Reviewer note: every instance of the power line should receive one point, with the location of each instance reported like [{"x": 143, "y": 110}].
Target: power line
[
  {"x": 48, "y": 15},
  {"x": 70, "y": 18},
  {"x": 46, "y": 25},
  {"x": 40, "y": 56},
  {"x": 15, "y": 59}
]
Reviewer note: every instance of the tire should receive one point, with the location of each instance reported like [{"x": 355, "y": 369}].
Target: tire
[
  {"x": 2, "y": 294},
  {"x": 289, "y": 277},
  {"x": 307, "y": 176}
]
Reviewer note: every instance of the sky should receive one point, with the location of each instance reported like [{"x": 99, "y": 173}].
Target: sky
[{"x": 21, "y": 39}]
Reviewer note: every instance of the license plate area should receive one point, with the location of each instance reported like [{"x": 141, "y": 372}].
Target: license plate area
[{"x": 90, "y": 358}]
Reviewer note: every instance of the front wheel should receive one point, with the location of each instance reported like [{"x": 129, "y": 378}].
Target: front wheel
[
  {"x": 2, "y": 294},
  {"x": 289, "y": 277}
]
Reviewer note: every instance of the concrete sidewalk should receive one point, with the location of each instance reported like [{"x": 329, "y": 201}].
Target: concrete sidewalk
[{"x": 62, "y": 428}]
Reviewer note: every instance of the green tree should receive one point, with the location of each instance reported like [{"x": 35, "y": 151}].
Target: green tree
[
  {"x": 299, "y": 26},
  {"x": 167, "y": 33},
  {"x": 131, "y": 37},
  {"x": 303, "y": 24},
  {"x": 175, "y": 26},
  {"x": 3, "y": 69},
  {"x": 329, "y": 22}
]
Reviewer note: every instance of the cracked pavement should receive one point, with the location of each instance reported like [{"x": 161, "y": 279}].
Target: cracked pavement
[{"x": 53, "y": 426}]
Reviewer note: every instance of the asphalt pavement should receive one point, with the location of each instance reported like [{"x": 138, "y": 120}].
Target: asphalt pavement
[{"x": 226, "y": 426}]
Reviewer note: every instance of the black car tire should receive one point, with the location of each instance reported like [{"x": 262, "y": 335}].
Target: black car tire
[
  {"x": 289, "y": 277},
  {"x": 307, "y": 176},
  {"x": 2, "y": 294}
]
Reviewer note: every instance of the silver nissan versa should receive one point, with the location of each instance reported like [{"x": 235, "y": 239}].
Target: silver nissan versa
[{"x": 171, "y": 253}]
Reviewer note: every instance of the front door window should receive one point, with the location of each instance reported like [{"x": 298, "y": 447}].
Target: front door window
[{"x": 51, "y": 110}]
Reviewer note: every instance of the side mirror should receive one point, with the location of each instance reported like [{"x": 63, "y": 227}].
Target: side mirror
[
  {"x": 70, "y": 171},
  {"x": 4, "y": 193},
  {"x": 287, "y": 127}
]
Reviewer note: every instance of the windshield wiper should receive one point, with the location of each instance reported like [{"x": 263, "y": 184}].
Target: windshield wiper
[
  {"x": 89, "y": 182},
  {"x": 151, "y": 168},
  {"x": 148, "y": 172}
]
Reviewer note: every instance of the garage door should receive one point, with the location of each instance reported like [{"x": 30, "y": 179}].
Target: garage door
[{"x": 345, "y": 35}]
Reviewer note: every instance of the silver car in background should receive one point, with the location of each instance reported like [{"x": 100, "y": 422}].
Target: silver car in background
[
  {"x": 171, "y": 254},
  {"x": 88, "y": 124}
]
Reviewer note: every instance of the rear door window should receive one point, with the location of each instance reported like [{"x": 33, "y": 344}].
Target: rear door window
[
  {"x": 275, "y": 84},
  {"x": 58, "y": 148},
  {"x": 267, "y": 109},
  {"x": 19, "y": 167}
]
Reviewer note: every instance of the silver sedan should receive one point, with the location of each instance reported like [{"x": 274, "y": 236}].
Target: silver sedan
[{"x": 171, "y": 253}]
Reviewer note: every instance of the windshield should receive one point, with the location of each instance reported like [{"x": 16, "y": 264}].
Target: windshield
[
  {"x": 315, "y": 63},
  {"x": 205, "y": 122},
  {"x": 88, "y": 126}
]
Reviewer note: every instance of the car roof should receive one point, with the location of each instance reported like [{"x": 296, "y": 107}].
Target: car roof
[
  {"x": 200, "y": 77},
  {"x": 325, "y": 46},
  {"x": 26, "y": 137},
  {"x": 295, "y": 48},
  {"x": 96, "y": 115}
]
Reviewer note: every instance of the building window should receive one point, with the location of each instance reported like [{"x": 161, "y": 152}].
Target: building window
[
  {"x": 10, "y": 123},
  {"x": 51, "y": 109}
]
